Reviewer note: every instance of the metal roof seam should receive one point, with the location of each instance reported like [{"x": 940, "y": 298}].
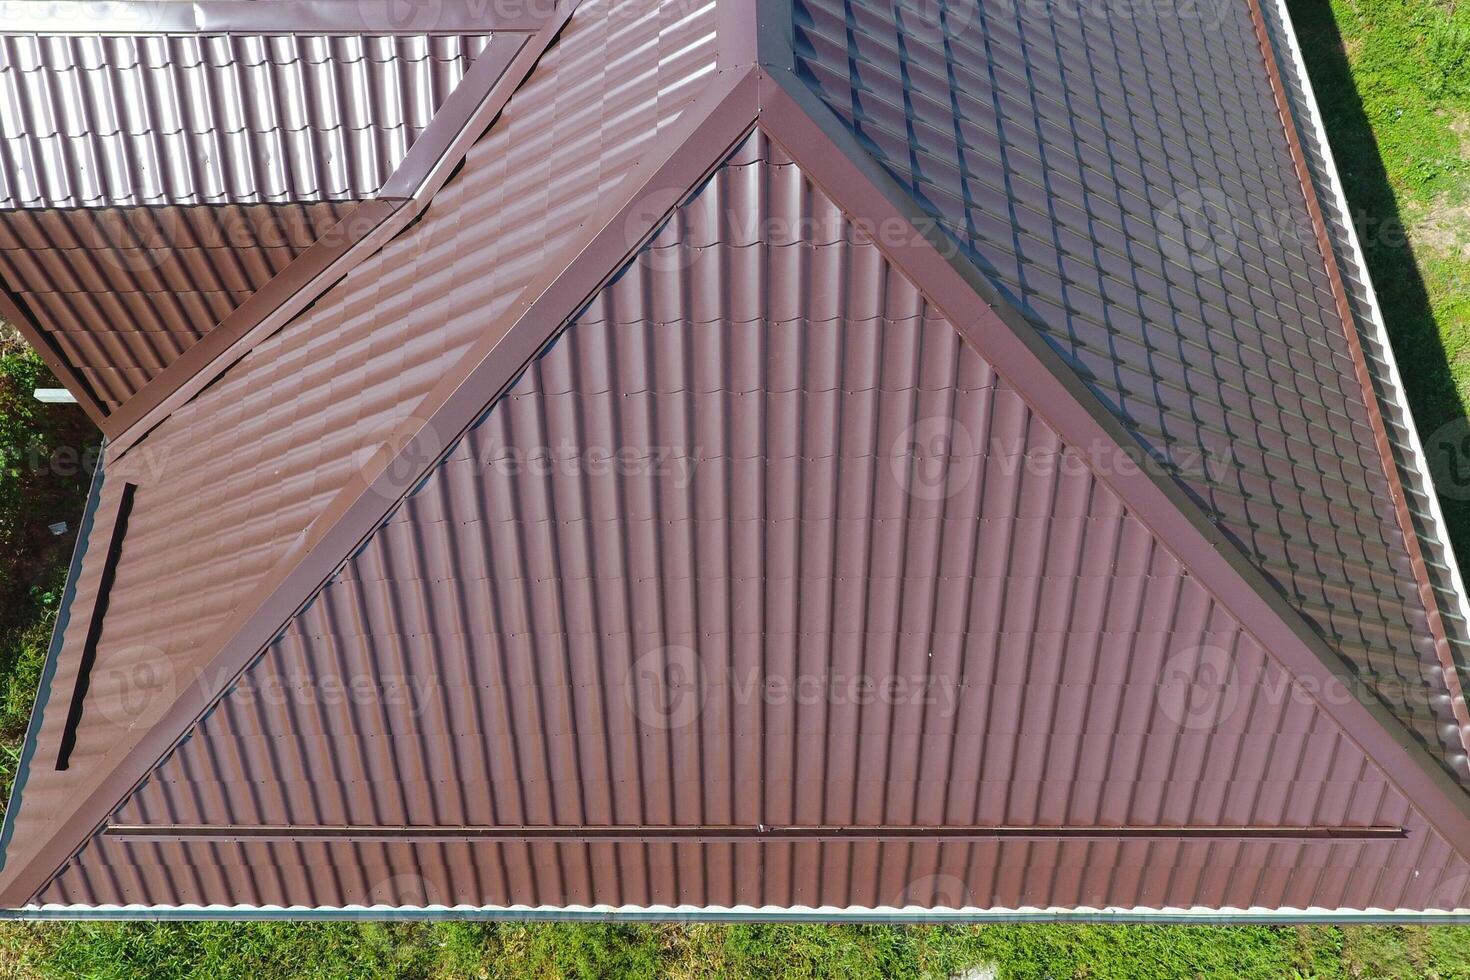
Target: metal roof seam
[{"x": 1452, "y": 812}]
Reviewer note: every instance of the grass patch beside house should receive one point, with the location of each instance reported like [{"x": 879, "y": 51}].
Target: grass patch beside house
[{"x": 1393, "y": 78}]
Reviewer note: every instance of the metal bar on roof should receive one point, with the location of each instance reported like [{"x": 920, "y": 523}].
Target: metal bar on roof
[
  {"x": 732, "y": 834},
  {"x": 278, "y": 17}
]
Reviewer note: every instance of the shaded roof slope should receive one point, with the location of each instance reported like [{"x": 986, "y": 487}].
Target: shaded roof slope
[
  {"x": 95, "y": 121},
  {"x": 760, "y": 461},
  {"x": 231, "y": 485},
  {"x": 1126, "y": 182}
]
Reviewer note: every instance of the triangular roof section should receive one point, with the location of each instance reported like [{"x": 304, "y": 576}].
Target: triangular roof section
[
  {"x": 156, "y": 180},
  {"x": 559, "y": 653},
  {"x": 1206, "y": 576}
]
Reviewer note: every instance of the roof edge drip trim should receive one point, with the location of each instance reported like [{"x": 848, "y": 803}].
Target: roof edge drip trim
[
  {"x": 744, "y": 913},
  {"x": 276, "y": 17}
]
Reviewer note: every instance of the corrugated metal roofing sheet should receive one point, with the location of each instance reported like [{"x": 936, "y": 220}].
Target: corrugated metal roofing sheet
[
  {"x": 124, "y": 291},
  {"x": 229, "y": 483},
  {"x": 1126, "y": 181},
  {"x": 759, "y": 462},
  {"x": 94, "y": 121}
]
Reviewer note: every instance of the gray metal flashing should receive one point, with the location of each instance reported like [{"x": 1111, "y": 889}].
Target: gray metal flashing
[
  {"x": 53, "y": 653},
  {"x": 276, "y": 17},
  {"x": 795, "y": 118}
]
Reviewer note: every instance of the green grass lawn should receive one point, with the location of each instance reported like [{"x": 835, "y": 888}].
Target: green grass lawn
[{"x": 1393, "y": 78}]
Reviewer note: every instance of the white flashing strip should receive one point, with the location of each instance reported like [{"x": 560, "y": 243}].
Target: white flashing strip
[
  {"x": 55, "y": 396},
  {"x": 743, "y": 913},
  {"x": 1380, "y": 330}
]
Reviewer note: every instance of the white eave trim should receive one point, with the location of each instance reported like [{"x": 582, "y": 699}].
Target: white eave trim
[{"x": 745, "y": 913}]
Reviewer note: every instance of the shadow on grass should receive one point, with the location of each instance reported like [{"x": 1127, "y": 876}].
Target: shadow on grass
[{"x": 1412, "y": 328}]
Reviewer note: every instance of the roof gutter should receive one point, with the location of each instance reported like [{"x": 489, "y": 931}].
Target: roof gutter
[
  {"x": 1418, "y": 459},
  {"x": 692, "y": 913}
]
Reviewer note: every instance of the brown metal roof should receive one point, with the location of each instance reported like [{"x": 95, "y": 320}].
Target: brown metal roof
[
  {"x": 230, "y": 482},
  {"x": 467, "y": 643},
  {"x": 125, "y": 291},
  {"x": 1128, "y": 185},
  {"x": 124, "y": 121},
  {"x": 694, "y": 500}
]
